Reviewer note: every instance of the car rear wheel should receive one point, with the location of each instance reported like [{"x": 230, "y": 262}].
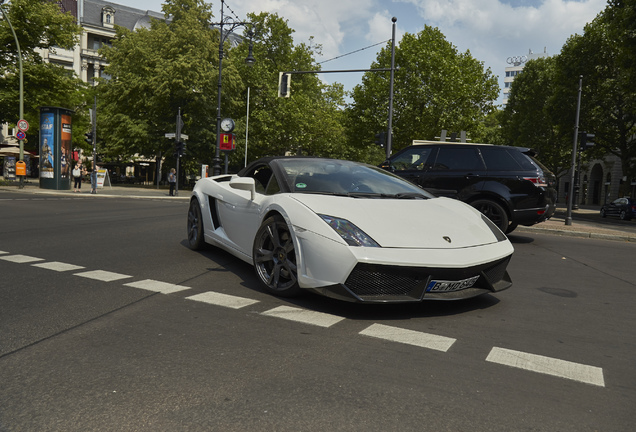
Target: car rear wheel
[
  {"x": 195, "y": 226},
  {"x": 603, "y": 214},
  {"x": 494, "y": 212},
  {"x": 275, "y": 258}
]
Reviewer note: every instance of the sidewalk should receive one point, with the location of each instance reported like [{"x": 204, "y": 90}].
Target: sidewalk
[
  {"x": 115, "y": 191},
  {"x": 580, "y": 227},
  {"x": 555, "y": 226}
]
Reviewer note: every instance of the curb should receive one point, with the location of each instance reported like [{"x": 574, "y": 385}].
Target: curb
[{"x": 581, "y": 234}]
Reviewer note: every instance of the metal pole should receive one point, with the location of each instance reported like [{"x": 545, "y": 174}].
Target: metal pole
[
  {"x": 216, "y": 165},
  {"x": 568, "y": 218},
  {"x": 17, "y": 43},
  {"x": 177, "y": 141},
  {"x": 247, "y": 123},
  {"x": 94, "y": 173},
  {"x": 389, "y": 137}
]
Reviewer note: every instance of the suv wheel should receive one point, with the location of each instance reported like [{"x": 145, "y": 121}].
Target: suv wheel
[{"x": 494, "y": 212}]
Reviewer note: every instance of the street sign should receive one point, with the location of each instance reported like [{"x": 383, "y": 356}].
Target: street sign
[
  {"x": 20, "y": 135},
  {"x": 23, "y": 125},
  {"x": 171, "y": 135},
  {"x": 184, "y": 136}
]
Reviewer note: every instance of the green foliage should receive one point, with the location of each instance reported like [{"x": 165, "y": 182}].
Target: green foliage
[
  {"x": 436, "y": 87},
  {"x": 39, "y": 25},
  {"x": 308, "y": 122},
  {"x": 541, "y": 111},
  {"x": 156, "y": 71},
  {"x": 530, "y": 118}
]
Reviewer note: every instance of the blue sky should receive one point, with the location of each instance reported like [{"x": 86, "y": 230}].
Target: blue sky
[{"x": 492, "y": 30}]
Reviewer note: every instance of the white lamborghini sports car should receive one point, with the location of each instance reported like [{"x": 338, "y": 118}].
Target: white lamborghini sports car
[{"x": 349, "y": 231}]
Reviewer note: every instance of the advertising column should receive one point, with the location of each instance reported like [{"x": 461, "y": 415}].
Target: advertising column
[{"x": 55, "y": 148}]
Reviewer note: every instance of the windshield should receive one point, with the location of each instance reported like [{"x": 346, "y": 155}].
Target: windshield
[{"x": 338, "y": 177}]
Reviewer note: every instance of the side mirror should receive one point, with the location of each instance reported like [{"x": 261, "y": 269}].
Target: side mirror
[
  {"x": 386, "y": 165},
  {"x": 244, "y": 183}
]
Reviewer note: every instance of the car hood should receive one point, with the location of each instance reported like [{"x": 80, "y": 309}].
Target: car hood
[{"x": 439, "y": 223}]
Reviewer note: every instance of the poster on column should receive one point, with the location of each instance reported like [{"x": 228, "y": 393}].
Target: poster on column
[
  {"x": 65, "y": 154},
  {"x": 47, "y": 146}
]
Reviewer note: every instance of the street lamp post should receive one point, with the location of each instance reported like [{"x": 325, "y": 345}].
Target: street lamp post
[
  {"x": 216, "y": 166},
  {"x": 4, "y": 13}
]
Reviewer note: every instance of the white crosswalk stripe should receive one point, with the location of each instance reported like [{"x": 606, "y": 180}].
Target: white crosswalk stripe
[
  {"x": 224, "y": 300},
  {"x": 20, "y": 259},
  {"x": 547, "y": 365},
  {"x": 57, "y": 266},
  {"x": 157, "y": 286},
  {"x": 304, "y": 316},
  {"x": 102, "y": 275},
  {"x": 410, "y": 337}
]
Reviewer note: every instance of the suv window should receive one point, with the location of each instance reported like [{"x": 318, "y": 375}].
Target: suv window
[
  {"x": 413, "y": 158},
  {"x": 500, "y": 159},
  {"x": 457, "y": 158}
]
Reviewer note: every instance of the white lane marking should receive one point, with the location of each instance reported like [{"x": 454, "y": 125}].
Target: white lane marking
[
  {"x": 21, "y": 259},
  {"x": 410, "y": 337},
  {"x": 3, "y": 252},
  {"x": 104, "y": 276},
  {"x": 57, "y": 266},
  {"x": 224, "y": 300},
  {"x": 547, "y": 365},
  {"x": 304, "y": 316},
  {"x": 153, "y": 285}
]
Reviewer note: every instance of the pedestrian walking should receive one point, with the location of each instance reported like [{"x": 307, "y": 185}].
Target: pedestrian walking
[{"x": 172, "y": 179}]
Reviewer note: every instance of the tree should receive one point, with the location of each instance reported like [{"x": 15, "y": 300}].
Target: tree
[
  {"x": 436, "y": 88},
  {"x": 308, "y": 122},
  {"x": 154, "y": 73},
  {"x": 530, "y": 120},
  {"x": 39, "y": 25},
  {"x": 608, "y": 103}
]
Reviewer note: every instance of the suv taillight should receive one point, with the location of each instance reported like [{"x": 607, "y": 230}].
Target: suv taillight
[{"x": 537, "y": 181}]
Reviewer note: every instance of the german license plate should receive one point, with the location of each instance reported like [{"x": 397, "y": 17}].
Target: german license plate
[{"x": 447, "y": 286}]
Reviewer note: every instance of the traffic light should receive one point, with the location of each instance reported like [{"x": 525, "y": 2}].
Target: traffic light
[
  {"x": 88, "y": 137},
  {"x": 181, "y": 148},
  {"x": 586, "y": 140},
  {"x": 380, "y": 139},
  {"x": 284, "y": 84}
]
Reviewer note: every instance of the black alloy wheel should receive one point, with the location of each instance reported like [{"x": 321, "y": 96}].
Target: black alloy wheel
[
  {"x": 603, "y": 214},
  {"x": 624, "y": 216},
  {"x": 195, "y": 226},
  {"x": 494, "y": 212},
  {"x": 275, "y": 258}
]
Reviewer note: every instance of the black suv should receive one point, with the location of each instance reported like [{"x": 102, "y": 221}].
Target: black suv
[{"x": 507, "y": 184}]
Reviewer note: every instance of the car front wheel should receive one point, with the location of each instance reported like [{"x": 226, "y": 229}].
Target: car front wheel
[
  {"x": 624, "y": 215},
  {"x": 195, "y": 226},
  {"x": 494, "y": 212},
  {"x": 275, "y": 258},
  {"x": 603, "y": 214}
]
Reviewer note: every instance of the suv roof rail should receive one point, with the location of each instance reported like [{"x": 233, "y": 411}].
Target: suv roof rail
[{"x": 421, "y": 142}]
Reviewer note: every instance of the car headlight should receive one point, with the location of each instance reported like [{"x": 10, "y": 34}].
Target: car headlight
[{"x": 350, "y": 233}]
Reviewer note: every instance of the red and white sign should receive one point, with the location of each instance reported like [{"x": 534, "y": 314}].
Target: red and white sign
[{"x": 23, "y": 125}]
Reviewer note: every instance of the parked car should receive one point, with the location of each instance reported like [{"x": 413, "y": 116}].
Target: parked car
[
  {"x": 624, "y": 208},
  {"x": 348, "y": 230},
  {"x": 507, "y": 184}
]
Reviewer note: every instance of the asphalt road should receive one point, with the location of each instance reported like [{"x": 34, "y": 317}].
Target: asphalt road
[{"x": 108, "y": 322}]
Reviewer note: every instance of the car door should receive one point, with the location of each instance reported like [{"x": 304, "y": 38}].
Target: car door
[
  {"x": 455, "y": 172},
  {"x": 239, "y": 214}
]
